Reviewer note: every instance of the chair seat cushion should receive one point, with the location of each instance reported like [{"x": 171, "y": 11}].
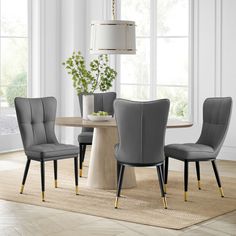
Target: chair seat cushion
[
  {"x": 190, "y": 151},
  {"x": 85, "y": 137},
  {"x": 44, "y": 151}
]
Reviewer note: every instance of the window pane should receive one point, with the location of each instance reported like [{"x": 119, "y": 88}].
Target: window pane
[
  {"x": 14, "y": 58},
  {"x": 178, "y": 97},
  {"x": 172, "y": 61},
  {"x": 14, "y": 17},
  {"x": 138, "y": 11},
  {"x": 172, "y": 17},
  {"x": 13, "y": 80},
  {"x": 171, "y": 56},
  {"x": 134, "y": 92},
  {"x": 136, "y": 68}
]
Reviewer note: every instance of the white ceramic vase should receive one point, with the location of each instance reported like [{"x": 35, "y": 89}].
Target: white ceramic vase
[{"x": 88, "y": 105}]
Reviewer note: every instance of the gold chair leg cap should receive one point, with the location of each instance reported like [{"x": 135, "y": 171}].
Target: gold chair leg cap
[
  {"x": 43, "y": 199},
  {"x": 185, "y": 196},
  {"x": 165, "y": 188},
  {"x": 22, "y": 189},
  {"x": 221, "y": 192},
  {"x": 81, "y": 173},
  {"x": 199, "y": 185},
  {"x": 116, "y": 203},
  {"x": 55, "y": 183},
  {"x": 164, "y": 202},
  {"x": 76, "y": 190}
]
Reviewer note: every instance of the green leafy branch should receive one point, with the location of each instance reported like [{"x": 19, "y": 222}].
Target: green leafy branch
[{"x": 100, "y": 76}]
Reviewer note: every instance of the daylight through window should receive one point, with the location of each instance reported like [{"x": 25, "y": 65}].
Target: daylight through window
[
  {"x": 13, "y": 60},
  {"x": 160, "y": 69}
]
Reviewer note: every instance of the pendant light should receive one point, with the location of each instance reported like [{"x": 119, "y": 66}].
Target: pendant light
[{"x": 112, "y": 36}]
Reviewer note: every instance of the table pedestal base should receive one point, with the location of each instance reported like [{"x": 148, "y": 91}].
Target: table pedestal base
[{"x": 102, "y": 173}]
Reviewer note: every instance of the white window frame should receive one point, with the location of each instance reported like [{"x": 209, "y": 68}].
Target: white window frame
[{"x": 153, "y": 56}]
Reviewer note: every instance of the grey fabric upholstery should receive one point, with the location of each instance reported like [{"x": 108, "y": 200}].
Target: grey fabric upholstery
[
  {"x": 36, "y": 120},
  {"x": 141, "y": 129},
  {"x": 85, "y": 137},
  {"x": 190, "y": 151},
  {"x": 216, "y": 117},
  {"x": 102, "y": 102},
  {"x": 50, "y": 150}
]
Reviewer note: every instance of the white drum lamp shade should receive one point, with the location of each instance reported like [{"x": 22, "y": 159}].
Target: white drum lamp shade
[{"x": 113, "y": 37}]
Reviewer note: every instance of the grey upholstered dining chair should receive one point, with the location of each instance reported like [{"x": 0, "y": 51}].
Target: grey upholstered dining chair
[
  {"x": 102, "y": 102},
  {"x": 141, "y": 129},
  {"x": 36, "y": 120},
  {"x": 216, "y": 117}
]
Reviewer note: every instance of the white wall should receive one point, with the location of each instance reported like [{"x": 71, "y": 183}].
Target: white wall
[
  {"x": 227, "y": 80},
  {"x": 66, "y": 27}
]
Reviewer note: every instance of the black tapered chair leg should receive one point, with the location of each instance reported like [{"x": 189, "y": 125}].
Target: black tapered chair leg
[
  {"x": 217, "y": 177},
  {"x": 84, "y": 151},
  {"x": 198, "y": 174},
  {"x": 166, "y": 173},
  {"x": 55, "y": 172},
  {"x": 162, "y": 170},
  {"x": 43, "y": 179},
  {"x": 76, "y": 175},
  {"x": 118, "y": 172},
  {"x": 161, "y": 184},
  {"x": 81, "y": 159},
  {"x": 25, "y": 175},
  {"x": 120, "y": 181},
  {"x": 185, "y": 180}
]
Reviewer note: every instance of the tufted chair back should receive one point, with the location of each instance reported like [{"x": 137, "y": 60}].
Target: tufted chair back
[
  {"x": 36, "y": 120},
  {"x": 216, "y": 118}
]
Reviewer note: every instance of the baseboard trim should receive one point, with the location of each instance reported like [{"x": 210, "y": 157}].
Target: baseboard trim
[
  {"x": 227, "y": 153},
  {"x": 12, "y": 150}
]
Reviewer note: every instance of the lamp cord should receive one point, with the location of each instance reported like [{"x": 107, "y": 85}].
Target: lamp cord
[{"x": 113, "y": 9}]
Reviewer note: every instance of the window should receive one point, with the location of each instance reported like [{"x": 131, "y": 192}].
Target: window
[
  {"x": 160, "y": 69},
  {"x": 13, "y": 60}
]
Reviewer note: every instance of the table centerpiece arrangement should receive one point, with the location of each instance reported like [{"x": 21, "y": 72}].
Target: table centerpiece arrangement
[{"x": 99, "y": 77}]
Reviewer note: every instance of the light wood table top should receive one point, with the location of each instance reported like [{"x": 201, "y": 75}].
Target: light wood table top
[{"x": 79, "y": 122}]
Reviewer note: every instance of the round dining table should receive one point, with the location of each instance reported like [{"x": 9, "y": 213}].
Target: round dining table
[{"x": 102, "y": 172}]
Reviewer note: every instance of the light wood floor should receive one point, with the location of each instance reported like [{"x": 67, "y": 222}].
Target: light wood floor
[{"x": 22, "y": 219}]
